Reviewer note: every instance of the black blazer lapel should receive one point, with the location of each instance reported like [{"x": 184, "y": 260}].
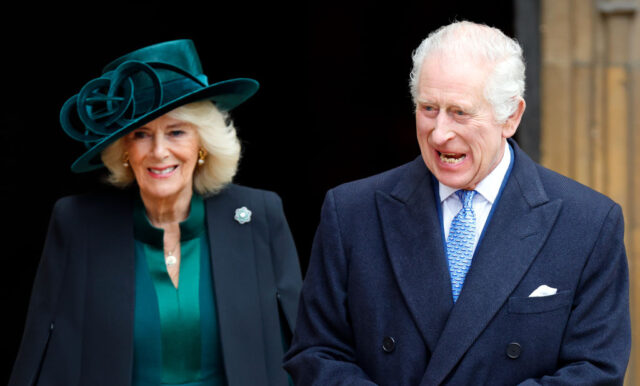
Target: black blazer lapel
[
  {"x": 413, "y": 237},
  {"x": 519, "y": 227},
  {"x": 237, "y": 293},
  {"x": 109, "y": 296}
]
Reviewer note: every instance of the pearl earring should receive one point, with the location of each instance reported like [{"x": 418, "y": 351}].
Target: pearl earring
[
  {"x": 125, "y": 159},
  {"x": 201, "y": 156}
]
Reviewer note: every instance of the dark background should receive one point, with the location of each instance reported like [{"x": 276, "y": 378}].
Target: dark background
[{"x": 333, "y": 106}]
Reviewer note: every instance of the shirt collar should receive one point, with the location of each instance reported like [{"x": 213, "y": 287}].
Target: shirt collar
[
  {"x": 489, "y": 187},
  {"x": 190, "y": 228}
]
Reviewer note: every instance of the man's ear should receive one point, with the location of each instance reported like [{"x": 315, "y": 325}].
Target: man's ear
[{"x": 510, "y": 126}]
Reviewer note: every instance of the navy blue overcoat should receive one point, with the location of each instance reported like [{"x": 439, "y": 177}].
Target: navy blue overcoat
[{"x": 376, "y": 306}]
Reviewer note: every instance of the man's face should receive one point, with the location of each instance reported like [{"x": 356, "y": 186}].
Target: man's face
[{"x": 459, "y": 138}]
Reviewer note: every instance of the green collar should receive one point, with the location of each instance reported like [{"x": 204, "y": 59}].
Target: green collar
[{"x": 190, "y": 228}]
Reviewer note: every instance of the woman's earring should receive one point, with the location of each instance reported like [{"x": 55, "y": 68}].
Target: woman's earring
[
  {"x": 125, "y": 159},
  {"x": 202, "y": 154}
]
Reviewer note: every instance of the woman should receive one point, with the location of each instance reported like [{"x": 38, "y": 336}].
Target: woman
[{"x": 186, "y": 279}]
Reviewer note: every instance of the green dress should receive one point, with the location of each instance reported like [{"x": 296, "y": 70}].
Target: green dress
[{"x": 176, "y": 333}]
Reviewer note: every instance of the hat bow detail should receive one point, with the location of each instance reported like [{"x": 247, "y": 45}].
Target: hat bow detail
[{"x": 110, "y": 102}]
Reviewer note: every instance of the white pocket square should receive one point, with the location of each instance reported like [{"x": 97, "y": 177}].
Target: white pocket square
[{"x": 543, "y": 290}]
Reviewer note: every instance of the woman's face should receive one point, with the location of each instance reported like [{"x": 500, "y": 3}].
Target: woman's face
[{"x": 163, "y": 155}]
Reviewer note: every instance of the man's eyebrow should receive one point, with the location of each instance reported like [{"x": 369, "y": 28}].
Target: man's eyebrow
[{"x": 457, "y": 105}]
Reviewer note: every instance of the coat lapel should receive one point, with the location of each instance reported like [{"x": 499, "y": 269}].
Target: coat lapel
[
  {"x": 237, "y": 293},
  {"x": 413, "y": 237},
  {"x": 109, "y": 295},
  {"x": 519, "y": 227}
]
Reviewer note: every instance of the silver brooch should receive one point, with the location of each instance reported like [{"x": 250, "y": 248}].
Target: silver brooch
[{"x": 243, "y": 215}]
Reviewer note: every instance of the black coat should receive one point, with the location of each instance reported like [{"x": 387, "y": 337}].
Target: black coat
[{"x": 79, "y": 328}]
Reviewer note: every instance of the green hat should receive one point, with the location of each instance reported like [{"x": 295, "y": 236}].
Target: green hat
[{"x": 136, "y": 89}]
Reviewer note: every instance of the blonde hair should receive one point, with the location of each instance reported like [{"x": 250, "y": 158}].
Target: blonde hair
[{"x": 217, "y": 136}]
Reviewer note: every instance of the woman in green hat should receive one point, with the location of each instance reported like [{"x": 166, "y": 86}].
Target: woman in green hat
[{"x": 183, "y": 279}]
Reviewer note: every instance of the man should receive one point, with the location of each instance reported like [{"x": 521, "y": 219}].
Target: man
[{"x": 471, "y": 265}]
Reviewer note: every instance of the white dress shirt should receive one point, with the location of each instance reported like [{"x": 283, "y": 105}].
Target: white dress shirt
[{"x": 487, "y": 191}]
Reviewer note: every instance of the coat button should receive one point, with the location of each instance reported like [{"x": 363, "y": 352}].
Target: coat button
[
  {"x": 388, "y": 344},
  {"x": 513, "y": 350}
]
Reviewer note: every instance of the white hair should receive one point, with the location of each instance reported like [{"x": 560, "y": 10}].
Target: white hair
[
  {"x": 505, "y": 83},
  {"x": 217, "y": 136}
]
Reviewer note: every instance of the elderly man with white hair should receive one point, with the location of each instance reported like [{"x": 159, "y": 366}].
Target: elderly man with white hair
[{"x": 472, "y": 264}]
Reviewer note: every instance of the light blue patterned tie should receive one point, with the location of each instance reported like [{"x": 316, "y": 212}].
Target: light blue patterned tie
[{"x": 460, "y": 242}]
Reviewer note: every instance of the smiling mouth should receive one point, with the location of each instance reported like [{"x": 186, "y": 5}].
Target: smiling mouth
[
  {"x": 452, "y": 158},
  {"x": 164, "y": 171}
]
